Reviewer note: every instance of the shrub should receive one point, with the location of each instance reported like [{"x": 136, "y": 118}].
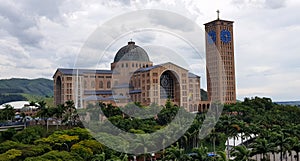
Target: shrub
[
  {"x": 55, "y": 155},
  {"x": 11, "y": 154},
  {"x": 28, "y": 135},
  {"x": 82, "y": 151}
]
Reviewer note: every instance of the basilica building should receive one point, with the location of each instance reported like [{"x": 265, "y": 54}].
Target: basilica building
[{"x": 134, "y": 78}]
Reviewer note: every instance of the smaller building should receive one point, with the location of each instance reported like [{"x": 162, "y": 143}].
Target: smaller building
[{"x": 21, "y": 107}]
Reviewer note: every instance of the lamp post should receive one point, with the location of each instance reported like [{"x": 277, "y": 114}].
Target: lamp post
[
  {"x": 66, "y": 146},
  {"x": 153, "y": 157}
]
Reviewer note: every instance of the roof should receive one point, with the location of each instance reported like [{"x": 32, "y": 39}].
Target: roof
[
  {"x": 135, "y": 91},
  {"x": 156, "y": 66},
  {"x": 100, "y": 98},
  {"x": 147, "y": 68},
  {"x": 131, "y": 52},
  {"x": 122, "y": 86},
  {"x": 217, "y": 21},
  {"x": 192, "y": 75},
  {"x": 97, "y": 92},
  {"x": 107, "y": 92},
  {"x": 17, "y": 104},
  {"x": 67, "y": 71},
  {"x": 93, "y": 98}
]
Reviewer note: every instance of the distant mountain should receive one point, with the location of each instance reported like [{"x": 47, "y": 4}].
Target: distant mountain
[
  {"x": 17, "y": 89},
  {"x": 291, "y": 103},
  {"x": 40, "y": 87}
]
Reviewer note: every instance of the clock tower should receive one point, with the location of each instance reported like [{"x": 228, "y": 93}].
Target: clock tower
[{"x": 220, "y": 66}]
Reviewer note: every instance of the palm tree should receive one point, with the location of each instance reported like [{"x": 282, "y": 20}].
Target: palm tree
[
  {"x": 69, "y": 110},
  {"x": 242, "y": 153},
  {"x": 201, "y": 153},
  {"x": 228, "y": 125},
  {"x": 8, "y": 111},
  {"x": 283, "y": 142},
  {"x": 43, "y": 111},
  {"x": 262, "y": 146},
  {"x": 272, "y": 138},
  {"x": 175, "y": 153},
  {"x": 296, "y": 147},
  {"x": 222, "y": 156},
  {"x": 59, "y": 111},
  {"x": 213, "y": 136},
  {"x": 185, "y": 140}
]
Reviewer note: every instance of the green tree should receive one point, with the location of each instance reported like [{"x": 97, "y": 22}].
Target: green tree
[
  {"x": 296, "y": 147},
  {"x": 176, "y": 154},
  {"x": 29, "y": 134},
  {"x": 8, "y": 112},
  {"x": 70, "y": 110},
  {"x": 58, "y": 141},
  {"x": 8, "y": 134},
  {"x": 56, "y": 155},
  {"x": 201, "y": 153},
  {"x": 94, "y": 145},
  {"x": 229, "y": 125},
  {"x": 283, "y": 143},
  {"x": 44, "y": 112},
  {"x": 11, "y": 154},
  {"x": 26, "y": 149},
  {"x": 262, "y": 146},
  {"x": 242, "y": 153},
  {"x": 84, "y": 152},
  {"x": 59, "y": 111}
]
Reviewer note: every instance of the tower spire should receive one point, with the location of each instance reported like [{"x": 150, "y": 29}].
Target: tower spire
[{"x": 218, "y": 13}]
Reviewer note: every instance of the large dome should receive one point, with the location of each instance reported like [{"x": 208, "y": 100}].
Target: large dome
[{"x": 131, "y": 52}]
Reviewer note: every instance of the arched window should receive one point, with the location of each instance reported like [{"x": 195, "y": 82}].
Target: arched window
[
  {"x": 101, "y": 84},
  {"x": 191, "y": 108},
  {"x": 166, "y": 86},
  {"x": 93, "y": 84},
  {"x": 85, "y": 84},
  {"x": 58, "y": 90},
  {"x": 108, "y": 84}
]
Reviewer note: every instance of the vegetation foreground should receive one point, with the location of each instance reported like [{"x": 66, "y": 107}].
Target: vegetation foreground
[{"x": 273, "y": 130}]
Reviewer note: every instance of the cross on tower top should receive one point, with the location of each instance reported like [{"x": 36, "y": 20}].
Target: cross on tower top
[{"x": 218, "y": 12}]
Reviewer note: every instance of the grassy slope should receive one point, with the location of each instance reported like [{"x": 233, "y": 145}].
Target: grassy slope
[
  {"x": 40, "y": 87},
  {"x": 16, "y": 89}
]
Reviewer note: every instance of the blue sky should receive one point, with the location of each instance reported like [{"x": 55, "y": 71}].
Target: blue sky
[{"x": 36, "y": 37}]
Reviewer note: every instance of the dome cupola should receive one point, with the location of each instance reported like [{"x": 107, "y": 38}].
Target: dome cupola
[{"x": 131, "y": 52}]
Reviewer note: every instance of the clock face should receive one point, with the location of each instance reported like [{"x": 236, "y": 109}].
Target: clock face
[
  {"x": 225, "y": 36},
  {"x": 212, "y": 37}
]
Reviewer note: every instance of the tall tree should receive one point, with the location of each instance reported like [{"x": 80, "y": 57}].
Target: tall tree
[
  {"x": 176, "y": 154},
  {"x": 262, "y": 146},
  {"x": 242, "y": 153},
  {"x": 8, "y": 112},
  {"x": 69, "y": 111}
]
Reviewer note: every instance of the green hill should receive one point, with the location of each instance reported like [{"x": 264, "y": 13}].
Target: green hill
[{"x": 17, "y": 89}]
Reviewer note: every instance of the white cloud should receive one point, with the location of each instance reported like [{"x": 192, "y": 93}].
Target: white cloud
[{"x": 36, "y": 37}]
